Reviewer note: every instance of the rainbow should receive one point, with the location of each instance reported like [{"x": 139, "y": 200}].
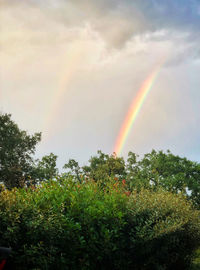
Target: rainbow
[
  {"x": 71, "y": 63},
  {"x": 135, "y": 108}
]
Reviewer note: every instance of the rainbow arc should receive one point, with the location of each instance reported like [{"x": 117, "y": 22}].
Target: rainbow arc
[{"x": 135, "y": 108}]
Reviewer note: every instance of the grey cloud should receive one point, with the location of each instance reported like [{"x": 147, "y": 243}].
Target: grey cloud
[
  {"x": 145, "y": 15},
  {"x": 115, "y": 21}
]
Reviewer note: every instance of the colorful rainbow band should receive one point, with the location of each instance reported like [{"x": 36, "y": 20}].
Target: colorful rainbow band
[{"x": 135, "y": 108}]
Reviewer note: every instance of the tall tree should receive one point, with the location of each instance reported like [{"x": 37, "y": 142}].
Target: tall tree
[
  {"x": 159, "y": 169},
  {"x": 16, "y": 152}
]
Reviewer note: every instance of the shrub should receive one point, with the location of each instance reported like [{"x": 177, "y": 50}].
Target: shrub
[
  {"x": 164, "y": 230},
  {"x": 65, "y": 225},
  {"x": 196, "y": 260}
]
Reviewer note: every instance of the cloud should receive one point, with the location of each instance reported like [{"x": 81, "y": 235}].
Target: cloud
[
  {"x": 130, "y": 18},
  {"x": 115, "y": 44},
  {"x": 115, "y": 21}
]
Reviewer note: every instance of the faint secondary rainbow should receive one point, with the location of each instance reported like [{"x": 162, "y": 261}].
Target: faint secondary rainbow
[
  {"x": 71, "y": 63},
  {"x": 135, "y": 108}
]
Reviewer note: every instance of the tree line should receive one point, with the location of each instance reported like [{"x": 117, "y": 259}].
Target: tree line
[{"x": 157, "y": 169}]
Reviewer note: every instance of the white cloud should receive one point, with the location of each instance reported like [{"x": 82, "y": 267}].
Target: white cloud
[{"x": 71, "y": 69}]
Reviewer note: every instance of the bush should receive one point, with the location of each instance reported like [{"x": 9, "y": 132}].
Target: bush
[
  {"x": 164, "y": 230},
  {"x": 196, "y": 260},
  {"x": 65, "y": 225}
]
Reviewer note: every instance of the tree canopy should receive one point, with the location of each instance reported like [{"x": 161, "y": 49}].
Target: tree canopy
[
  {"x": 17, "y": 149},
  {"x": 171, "y": 172},
  {"x": 44, "y": 169},
  {"x": 154, "y": 171}
]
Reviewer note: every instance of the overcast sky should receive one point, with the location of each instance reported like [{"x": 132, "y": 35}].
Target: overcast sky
[{"x": 71, "y": 69}]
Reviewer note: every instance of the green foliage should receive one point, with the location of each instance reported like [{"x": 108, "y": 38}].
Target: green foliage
[
  {"x": 159, "y": 169},
  {"x": 103, "y": 166},
  {"x": 196, "y": 260},
  {"x": 44, "y": 169},
  {"x": 110, "y": 214},
  {"x": 100, "y": 167},
  {"x": 17, "y": 166},
  {"x": 16, "y": 150},
  {"x": 165, "y": 229},
  {"x": 154, "y": 171},
  {"x": 73, "y": 166},
  {"x": 70, "y": 225}
]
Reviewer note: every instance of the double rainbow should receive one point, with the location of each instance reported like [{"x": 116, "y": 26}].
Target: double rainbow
[
  {"x": 135, "y": 108},
  {"x": 71, "y": 63}
]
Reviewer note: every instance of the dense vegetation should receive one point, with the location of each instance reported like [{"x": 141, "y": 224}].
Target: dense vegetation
[
  {"x": 141, "y": 214},
  {"x": 67, "y": 225}
]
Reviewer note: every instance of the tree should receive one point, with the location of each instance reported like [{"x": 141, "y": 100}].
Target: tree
[
  {"x": 44, "y": 169},
  {"x": 16, "y": 150},
  {"x": 159, "y": 169},
  {"x": 100, "y": 168},
  {"x": 74, "y": 169},
  {"x": 104, "y": 166},
  {"x": 154, "y": 171}
]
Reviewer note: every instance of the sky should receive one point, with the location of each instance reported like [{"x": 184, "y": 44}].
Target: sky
[{"x": 71, "y": 70}]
